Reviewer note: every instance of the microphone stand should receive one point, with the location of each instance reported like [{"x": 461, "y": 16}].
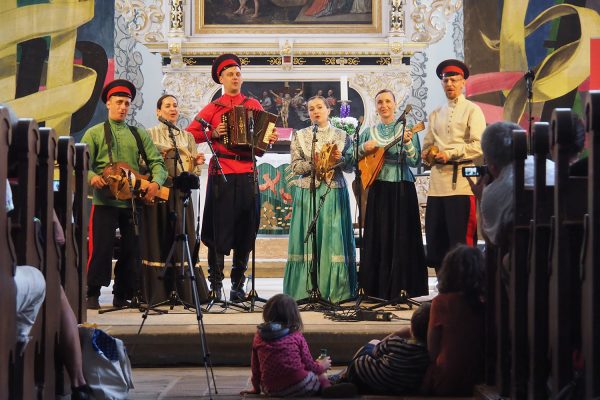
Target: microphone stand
[
  {"x": 174, "y": 298},
  {"x": 529, "y": 76},
  {"x": 252, "y": 295},
  {"x": 213, "y": 298},
  {"x": 314, "y": 301}
]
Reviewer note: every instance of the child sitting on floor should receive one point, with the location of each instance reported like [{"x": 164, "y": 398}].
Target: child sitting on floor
[
  {"x": 281, "y": 364},
  {"x": 455, "y": 335},
  {"x": 394, "y": 365}
]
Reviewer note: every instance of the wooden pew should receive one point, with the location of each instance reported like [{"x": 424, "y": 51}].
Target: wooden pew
[
  {"x": 50, "y": 311},
  {"x": 64, "y": 209},
  {"x": 537, "y": 302},
  {"x": 23, "y": 155},
  {"x": 7, "y": 265},
  {"x": 81, "y": 216},
  {"x": 517, "y": 287},
  {"x": 590, "y": 316},
  {"x": 570, "y": 204}
]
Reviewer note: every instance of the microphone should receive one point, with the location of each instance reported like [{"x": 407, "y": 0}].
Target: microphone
[
  {"x": 315, "y": 128},
  {"x": 168, "y": 123},
  {"x": 402, "y": 116},
  {"x": 203, "y": 122}
]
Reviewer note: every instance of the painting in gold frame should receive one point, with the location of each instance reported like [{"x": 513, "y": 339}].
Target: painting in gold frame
[{"x": 287, "y": 16}]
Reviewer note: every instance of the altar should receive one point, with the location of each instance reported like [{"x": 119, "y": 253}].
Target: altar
[{"x": 275, "y": 192}]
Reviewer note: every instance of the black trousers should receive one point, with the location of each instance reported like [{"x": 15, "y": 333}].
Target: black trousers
[
  {"x": 449, "y": 220},
  {"x": 103, "y": 222}
]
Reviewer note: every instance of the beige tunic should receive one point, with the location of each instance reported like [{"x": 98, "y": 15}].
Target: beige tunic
[
  {"x": 185, "y": 143},
  {"x": 456, "y": 129}
]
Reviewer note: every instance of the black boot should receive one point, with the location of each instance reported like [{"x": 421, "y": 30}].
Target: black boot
[
  {"x": 239, "y": 267},
  {"x": 216, "y": 264}
]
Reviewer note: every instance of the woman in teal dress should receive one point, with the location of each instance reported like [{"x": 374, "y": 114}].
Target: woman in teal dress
[{"x": 336, "y": 253}]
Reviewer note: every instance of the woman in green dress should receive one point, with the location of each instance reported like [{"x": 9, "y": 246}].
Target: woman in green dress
[{"x": 335, "y": 252}]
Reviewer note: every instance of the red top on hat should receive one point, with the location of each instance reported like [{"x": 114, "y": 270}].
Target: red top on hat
[
  {"x": 118, "y": 87},
  {"x": 223, "y": 62},
  {"x": 452, "y": 67}
]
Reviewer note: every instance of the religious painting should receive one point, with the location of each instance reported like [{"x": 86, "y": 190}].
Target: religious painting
[
  {"x": 288, "y": 99},
  {"x": 287, "y": 16}
]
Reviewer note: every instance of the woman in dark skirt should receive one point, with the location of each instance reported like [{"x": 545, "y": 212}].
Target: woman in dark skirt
[
  {"x": 393, "y": 259},
  {"x": 162, "y": 222}
]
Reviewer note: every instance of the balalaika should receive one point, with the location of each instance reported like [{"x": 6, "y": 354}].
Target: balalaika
[{"x": 238, "y": 128}]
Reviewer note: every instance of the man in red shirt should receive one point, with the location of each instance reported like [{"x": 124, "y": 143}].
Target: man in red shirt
[{"x": 231, "y": 210}]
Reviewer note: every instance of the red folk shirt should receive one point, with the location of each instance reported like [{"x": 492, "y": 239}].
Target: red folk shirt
[{"x": 212, "y": 113}]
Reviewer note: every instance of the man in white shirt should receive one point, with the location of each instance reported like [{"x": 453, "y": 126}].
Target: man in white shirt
[{"x": 453, "y": 140}]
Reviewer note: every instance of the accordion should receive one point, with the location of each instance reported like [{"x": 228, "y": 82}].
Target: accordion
[{"x": 238, "y": 122}]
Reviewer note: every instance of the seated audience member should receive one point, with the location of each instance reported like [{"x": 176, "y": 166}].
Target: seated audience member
[
  {"x": 455, "y": 333},
  {"x": 395, "y": 365},
  {"x": 281, "y": 363},
  {"x": 495, "y": 189},
  {"x": 30, "y": 293}
]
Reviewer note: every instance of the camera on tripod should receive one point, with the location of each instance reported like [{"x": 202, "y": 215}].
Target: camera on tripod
[{"x": 186, "y": 181}]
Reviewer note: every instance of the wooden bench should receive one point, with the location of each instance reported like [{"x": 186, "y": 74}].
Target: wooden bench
[
  {"x": 7, "y": 265},
  {"x": 50, "y": 312},
  {"x": 539, "y": 245},
  {"x": 519, "y": 259},
  {"x": 22, "y": 158},
  {"x": 590, "y": 314},
  {"x": 64, "y": 209},
  {"x": 81, "y": 218},
  {"x": 570, "y": 206}
]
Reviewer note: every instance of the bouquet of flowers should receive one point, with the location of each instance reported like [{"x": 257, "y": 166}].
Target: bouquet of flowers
[{"x": 347, "y": 124}]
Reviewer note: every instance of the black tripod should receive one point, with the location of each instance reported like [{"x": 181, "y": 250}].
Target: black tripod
[
  {"x": 136, "y": 301},
  {"x": 314, "y": 301},
  {"x": 252, "y": 297},
  {"x": 214, "y": 297},
  {"x": 185, "y": 182}
]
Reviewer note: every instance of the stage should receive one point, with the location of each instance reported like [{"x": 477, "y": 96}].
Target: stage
[{"x": 173, "y": 339}]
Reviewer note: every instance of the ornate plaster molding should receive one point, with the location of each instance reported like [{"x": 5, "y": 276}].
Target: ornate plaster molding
[
  {"x": 368, "y": 84},
  {"x": 145, "y": 20},
  {"x": 193, "y": 89},
  {"x": 430, "y": 18}
]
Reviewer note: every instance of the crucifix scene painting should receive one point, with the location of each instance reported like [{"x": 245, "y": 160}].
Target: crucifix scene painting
[{"x": 288, "y": 100}]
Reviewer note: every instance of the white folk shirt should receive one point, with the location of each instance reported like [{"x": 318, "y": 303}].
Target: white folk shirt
[{"x": 455, "y": 128}]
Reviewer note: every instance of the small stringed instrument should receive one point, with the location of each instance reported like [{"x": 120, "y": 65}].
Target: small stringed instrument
[
  {"x": 119, "y": 175},
  {"x": 371, "y": 165}
]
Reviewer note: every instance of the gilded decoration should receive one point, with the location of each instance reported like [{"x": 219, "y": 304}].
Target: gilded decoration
[
  {"x": 189, "y": 61},
  {"x": 384, "y": 61},
  {"x": 299, "y": 61},
  {"x": 397, "y": 25},
  {"x": 274, "y": 60},
  {"x": 430, "y": 18},
  {"x": 176, "y": 16},
  {"x": 145, "y": 21},
  {"x": 341, "y": 61}
]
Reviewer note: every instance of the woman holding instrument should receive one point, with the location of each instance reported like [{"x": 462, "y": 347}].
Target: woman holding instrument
[
  {"x": 163, "y": 222},
  {"x": 335, "y": 238},
  {"x": 393, "y": 259}
]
